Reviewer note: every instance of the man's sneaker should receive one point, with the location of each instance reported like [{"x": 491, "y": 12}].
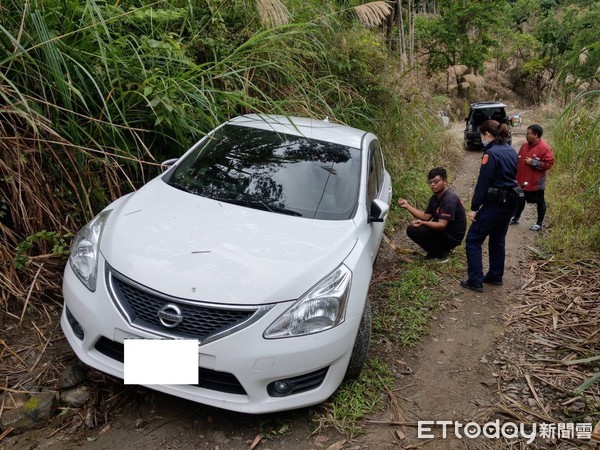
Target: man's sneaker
[
  {"x": 436, "y": 258},
  {"x": 536, "y": 227},
  {"x": 470, "y": 286},
  {"x": 513, "y": 221}
]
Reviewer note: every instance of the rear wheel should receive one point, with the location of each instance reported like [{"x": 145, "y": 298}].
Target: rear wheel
[
  {"x": 361, "y": 345},
  {"x": 471, "y": 146}
]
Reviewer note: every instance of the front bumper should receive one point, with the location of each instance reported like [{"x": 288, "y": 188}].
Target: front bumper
[{"x": 243, "y": 359}]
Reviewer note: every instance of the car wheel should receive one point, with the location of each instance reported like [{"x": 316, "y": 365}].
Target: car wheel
[
  {"x": 471, "y": 147},
  {"x": 361, "y": 345}
]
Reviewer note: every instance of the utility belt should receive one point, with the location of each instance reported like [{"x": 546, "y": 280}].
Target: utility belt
[{"x": 504, "y": 195}]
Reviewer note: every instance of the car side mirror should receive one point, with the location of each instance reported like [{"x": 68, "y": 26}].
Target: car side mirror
[{"x": 379, "y": 210}]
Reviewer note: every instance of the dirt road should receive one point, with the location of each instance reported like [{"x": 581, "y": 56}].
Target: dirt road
[{"x": 453, "y": 375}]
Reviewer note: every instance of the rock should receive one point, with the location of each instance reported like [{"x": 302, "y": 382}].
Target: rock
[
  {"x": 472, "y": 79},
  {"x": 577, "y": 406},
  {"x": 219, "y": 436},
  {"x": 34, "y": 413},
  {"x": 76, "y": 397},
  {"x": 71, "y": 376}
]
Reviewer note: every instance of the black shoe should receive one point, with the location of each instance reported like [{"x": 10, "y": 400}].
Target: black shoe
[
  {"x": 472, "y": 287},
  {"x": 491, "y": 281}
]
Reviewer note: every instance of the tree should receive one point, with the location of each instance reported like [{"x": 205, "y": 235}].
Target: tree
[
  {"x": 462, "y": 33},
  {"x": 570, "y": 43}
]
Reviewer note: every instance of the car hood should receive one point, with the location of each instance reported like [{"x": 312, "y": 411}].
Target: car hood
[{"x": 191, "y": 247}]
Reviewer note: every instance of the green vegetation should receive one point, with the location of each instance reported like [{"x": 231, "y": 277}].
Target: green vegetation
[
  {"x": 550, "y": 46},
  {"x": 464, "y": 33},
  {"x": 40, "y": 241},
  {"x": 574, "y": 181},
  {"x": 410, "y": 301},
  {"x": 352, "y": 401}
]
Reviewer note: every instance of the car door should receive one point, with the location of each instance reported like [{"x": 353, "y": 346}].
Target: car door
[{"x": 379, "y": 186}]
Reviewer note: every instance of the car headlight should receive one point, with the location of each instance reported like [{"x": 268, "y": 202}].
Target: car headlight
[
  {"x": 321, "y": 308},
  {"x": 84, "y": 251}
]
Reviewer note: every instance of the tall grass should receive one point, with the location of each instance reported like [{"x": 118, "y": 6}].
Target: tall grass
[
  {"x": 118, "y": 89},
  {"x": 415, "y": 141},
  {"x": 574, "y": 181}
]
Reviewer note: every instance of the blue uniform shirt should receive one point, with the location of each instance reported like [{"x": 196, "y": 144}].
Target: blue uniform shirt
[{"x": 498, "y": 170}]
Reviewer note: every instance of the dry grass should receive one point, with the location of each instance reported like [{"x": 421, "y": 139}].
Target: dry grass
[
  {"x": 553, "y": 347},
  {"x": 272, "y": 12},
  {"x": 559, "y": 309},
  {"x": 46, "y": 187},
  {"x": 36, "y": 203},
  {"x": 372, "y": 14}
]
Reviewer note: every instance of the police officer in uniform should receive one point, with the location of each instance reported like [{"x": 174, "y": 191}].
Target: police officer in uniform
[{"x": 492, "y": 206}]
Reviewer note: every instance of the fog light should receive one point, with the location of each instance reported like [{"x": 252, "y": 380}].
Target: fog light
[
  {"x": 281, "y": 388},
  {"x": 295, "y": 385},
  {"x": 75, "y": 326}
]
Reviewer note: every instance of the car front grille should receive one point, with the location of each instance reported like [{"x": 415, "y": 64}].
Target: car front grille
[
  {"x": 207, "y": 378},
  {"x": 141, "y": 307}
]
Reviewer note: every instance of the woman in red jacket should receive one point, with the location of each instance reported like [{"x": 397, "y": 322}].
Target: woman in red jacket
[{"x": 535, "y": 158}]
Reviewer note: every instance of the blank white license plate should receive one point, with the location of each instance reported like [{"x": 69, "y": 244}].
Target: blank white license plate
[{"x": 161, "y": 361}]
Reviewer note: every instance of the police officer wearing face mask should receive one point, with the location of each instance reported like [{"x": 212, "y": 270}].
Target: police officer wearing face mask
[{"x": 492, "y": 206}]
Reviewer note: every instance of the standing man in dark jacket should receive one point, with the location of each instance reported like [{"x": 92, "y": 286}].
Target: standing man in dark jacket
[
  {"x": 492, "y": 206},
  {"x": 535, "y": 158},
  {"x": 441, "y": 227}
]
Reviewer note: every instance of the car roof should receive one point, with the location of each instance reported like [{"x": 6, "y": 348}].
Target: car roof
[
  {"x": 487, "y": 105},
  {"x": 321, "y": 130}
]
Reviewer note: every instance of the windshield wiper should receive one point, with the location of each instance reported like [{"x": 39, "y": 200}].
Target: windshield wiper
[
  {"x": 289, "y": 212},
  {"x": 256, "y": 204}
]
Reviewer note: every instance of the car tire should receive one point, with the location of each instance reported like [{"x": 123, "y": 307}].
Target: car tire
[
  {"x": 471, "y": 147},
  {"x": 361, "y": 345}
]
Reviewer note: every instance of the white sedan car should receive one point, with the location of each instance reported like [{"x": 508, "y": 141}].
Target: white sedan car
[{"x": 258, "y": 243}]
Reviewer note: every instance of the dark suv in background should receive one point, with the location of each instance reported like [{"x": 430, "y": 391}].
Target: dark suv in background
[{"x": 479, "y": 113}]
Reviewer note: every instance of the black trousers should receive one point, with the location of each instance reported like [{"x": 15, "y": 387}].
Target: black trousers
[
  {"x": 491, "y": 222},
  {"x": 435, "y": 243},
  {"x": 536, "y": 197}
]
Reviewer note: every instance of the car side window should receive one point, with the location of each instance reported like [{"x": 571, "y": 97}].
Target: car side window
[{"x": 375, "y": 181}]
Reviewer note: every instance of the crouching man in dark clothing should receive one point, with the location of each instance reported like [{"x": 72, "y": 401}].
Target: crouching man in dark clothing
[{"x": 442, "y": 226}]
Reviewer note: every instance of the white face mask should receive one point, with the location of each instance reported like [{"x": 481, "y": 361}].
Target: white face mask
[{"x": 484, "y": 141}]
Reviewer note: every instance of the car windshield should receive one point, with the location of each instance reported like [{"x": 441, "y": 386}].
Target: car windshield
[
  {"x": 480, "y": 115},
  {"x": 274, "y": 172}
]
